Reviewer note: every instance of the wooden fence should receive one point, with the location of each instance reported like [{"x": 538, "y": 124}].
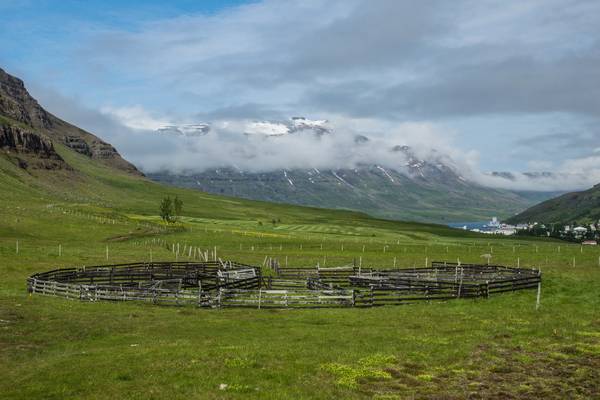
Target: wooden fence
[{"x": 230, "y": 284}]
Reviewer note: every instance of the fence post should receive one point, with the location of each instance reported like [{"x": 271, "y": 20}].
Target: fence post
[
  {"x": 199, "y": 293},
  {"x": 260, "y": 298},
  {"x": 462, "y": 271},
  {"x": 539, "y": 292}
]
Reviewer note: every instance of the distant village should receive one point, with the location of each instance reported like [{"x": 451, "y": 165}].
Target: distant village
[{"x": 587, "y": 234}]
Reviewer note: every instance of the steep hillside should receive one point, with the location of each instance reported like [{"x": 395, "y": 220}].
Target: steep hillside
[
  {"x": 577, "y": 206},
  {"x": 19, "y": 110}
]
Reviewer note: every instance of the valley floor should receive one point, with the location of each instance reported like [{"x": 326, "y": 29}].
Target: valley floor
[{"x": 497, "y": 348}]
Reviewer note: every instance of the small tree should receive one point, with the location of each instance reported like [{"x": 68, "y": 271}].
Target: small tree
[
  {"x": 177, "y": 207},
  {"x": 166, "y": 209}
]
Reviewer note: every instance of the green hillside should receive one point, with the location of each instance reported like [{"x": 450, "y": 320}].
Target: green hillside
[{"x": 577, "y": 206}]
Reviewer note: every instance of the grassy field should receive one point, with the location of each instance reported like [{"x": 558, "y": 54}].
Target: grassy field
[{"x": 496, "y": 348}]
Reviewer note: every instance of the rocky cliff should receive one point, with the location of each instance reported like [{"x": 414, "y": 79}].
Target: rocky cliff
[
  {"x": 28, "y": 149},
  {"x": 20, "y": 109}
]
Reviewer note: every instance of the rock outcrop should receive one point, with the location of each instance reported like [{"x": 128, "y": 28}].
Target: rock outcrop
[{"x": 29, "y": 150}]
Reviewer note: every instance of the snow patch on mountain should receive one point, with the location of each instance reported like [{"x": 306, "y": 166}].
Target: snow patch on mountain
[
  {"x": 288, "y": 179},
  {"x": 340, "y": 178},
  {"x": 382, "y": 170}
]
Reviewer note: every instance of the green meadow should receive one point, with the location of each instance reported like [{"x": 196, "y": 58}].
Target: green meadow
[{"x": 498, "y": 348}]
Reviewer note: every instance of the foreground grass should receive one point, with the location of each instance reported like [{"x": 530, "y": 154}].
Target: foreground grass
[
  {"x": 61, "y": 349},
  {"x": 496, "y": 348}
]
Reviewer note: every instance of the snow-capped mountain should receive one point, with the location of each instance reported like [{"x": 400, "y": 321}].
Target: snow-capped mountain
[
  {"x": 189, "y": 130},
  {"x": 300, "y": 124},
  {"x": 424, "y": 188},
  {"x": 294, "y": 125},
  {"x": 266, "y": 128}
]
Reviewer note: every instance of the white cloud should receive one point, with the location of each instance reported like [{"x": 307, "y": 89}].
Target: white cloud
[{"x": 135, "y": 117}]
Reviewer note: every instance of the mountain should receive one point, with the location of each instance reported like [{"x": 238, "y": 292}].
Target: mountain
[
  {"x": 581, "y": 206},
  {"x": 429, "y": 189},
  {"x": 29, "y": 134},
  {"x": 422, "y": 191}
]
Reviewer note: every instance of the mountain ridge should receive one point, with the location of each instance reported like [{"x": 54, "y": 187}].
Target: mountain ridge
[
  {"x": 581, "y": 206},
  {"x": 428, "y": 192}
]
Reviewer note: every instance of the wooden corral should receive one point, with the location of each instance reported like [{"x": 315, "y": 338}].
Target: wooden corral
[{"x": 231, "y": 284}]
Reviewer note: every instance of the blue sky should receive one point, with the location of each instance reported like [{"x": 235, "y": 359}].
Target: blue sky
[
  {"x": 40, "y": 38},
  {"x": 499, "y": 85}
]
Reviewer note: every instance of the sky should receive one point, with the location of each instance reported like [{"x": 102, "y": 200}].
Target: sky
[{"x": 495, "y": 85}]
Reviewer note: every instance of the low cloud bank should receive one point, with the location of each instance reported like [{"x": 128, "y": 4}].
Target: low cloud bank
[
  {"x": 238, "y": 144},
  {"x": 253, "y": 146},
  {"x": 265, "y": 146},
  {"x": 543, "y": 182}
]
